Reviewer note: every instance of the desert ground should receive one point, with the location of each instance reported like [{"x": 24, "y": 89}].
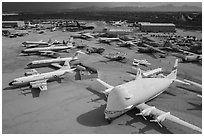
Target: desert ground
[{"x": 75, "y": 106}]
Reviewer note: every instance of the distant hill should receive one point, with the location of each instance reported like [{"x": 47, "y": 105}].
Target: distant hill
[{"x": 162, "y": 8}]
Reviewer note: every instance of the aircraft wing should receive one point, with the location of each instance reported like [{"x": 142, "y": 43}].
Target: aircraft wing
[
  {"x": 41, "y": 84},
  {"x": 49, "y": 53},
  {"x": 31, "y": 45},
  {"x": 160, "y": 116},
  {"x": 56, "y": 65},
  {"x": 153, "y": 48},
  {"x": 88, "y": 35}
]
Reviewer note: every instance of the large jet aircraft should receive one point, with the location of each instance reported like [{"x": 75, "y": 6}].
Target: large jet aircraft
[
  {"x": 58, "y": 62},
  {"x": 39, "y": 80},
  {"x": 49, "y": 51},
  {"x": 134, "y": 94},
  {"x": 32, "y": 44}
]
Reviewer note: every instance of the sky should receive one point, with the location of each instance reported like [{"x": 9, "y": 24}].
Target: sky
[{"x": 52, "y": 6}]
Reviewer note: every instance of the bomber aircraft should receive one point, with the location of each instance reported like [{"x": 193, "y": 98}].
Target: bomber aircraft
[{"x": 136, "y": 93}]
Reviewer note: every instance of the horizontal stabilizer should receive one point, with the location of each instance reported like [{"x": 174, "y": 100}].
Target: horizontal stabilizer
[{"x": 104, "y": 84}]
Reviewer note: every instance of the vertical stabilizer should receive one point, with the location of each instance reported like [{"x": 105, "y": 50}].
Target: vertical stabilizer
[
  {"x": 139, "y": 74},
  {"x": 173, "y": 74}
]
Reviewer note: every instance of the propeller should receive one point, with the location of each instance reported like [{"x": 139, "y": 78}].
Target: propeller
[
  {"x": 141, "y": 115},
  {"x": 157, "y": 122}
]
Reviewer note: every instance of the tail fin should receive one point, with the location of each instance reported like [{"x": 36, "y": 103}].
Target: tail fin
[
  {"x": 77, "y": 53},
  {"x": 78, "y": 25},
  {"x": 49, "y": 41},
  {"x": 71, "y": 40},
  {"x": 173, "y": 74},
  {"x": 66, "y": 65},
  {"x": 139, "y": 74}
]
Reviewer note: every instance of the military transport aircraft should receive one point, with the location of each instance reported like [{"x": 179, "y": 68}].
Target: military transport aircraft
[
  {"x": 134, "y": 94},
  {"x": 39, "y": 80},
  {"x": 58, "y": 62}
]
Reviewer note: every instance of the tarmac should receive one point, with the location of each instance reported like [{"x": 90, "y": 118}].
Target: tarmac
[{"x": 76, "y": 107}]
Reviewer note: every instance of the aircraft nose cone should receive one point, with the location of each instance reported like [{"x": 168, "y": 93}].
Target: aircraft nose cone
[{"x": 29, "y": 64}]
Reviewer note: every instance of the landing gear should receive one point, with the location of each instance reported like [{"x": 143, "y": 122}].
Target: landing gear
[{"x": 109, "y": 120}]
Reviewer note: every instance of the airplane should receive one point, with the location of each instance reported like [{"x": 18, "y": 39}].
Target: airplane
[
  {"x": 137, "y": 62},
  {"x": 134, "y": 94},
  {"x": 31, "y": 44},
  {"x": 192, "y": 58},
  {"x": 119, "y": 23},
  {"x": 53, "y": 62},
  {"x": 39, "y": 80},
  {"x": 78, "y": 27},
  {"x": 150, "y": 49},
  {"x": 115, "y": 57},
  {"x": 128, "y": 43},
  {"x": 48, "y": 51},
  {"x": 108, "y": 40},
  {"x": 95, "y": 50},
  {"x": 85, "y": 36}
]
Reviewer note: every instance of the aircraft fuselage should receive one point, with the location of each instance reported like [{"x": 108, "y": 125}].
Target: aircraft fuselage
[{"x": 126, "y": 96}]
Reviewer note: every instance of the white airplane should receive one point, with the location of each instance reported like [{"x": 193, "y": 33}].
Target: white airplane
[
  {"x": 108, "y": 40},
  {"x": 27, "y": 43},
  {"x": 49, "y": 51},
  {"x": 83, "y": 35},
  {"x": 58, "y": 62},
  {"x": 119, "y": 23},
  {"x": 39, "y": 80},
  {"x": 128, "y": 43},
  {"x": 134, "y": 94},
  {"x": 137, "y": 62}
]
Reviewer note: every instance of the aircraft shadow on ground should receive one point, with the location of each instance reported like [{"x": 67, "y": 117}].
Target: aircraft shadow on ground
[
  {"x": 93, "y": 118},
  {"x": 190, "y": 90},
  {"x": 196, "y": 106},
  {"x": 149, "y": 125}
]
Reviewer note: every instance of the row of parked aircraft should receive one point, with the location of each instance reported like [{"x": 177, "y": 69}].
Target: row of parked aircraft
[
  {"x": 142, "y": 47},
  {"x": 121, "y": 98}
]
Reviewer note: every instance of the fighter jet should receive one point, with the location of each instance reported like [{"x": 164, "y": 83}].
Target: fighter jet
[
  {"x": 48, "y": 51},
  {"x": 35, "y": 43},
  {"x": 137, "y": 62},
  {"x": 134, "y": 94},
  {"x": 39, "y": 80},
  {"x": 58, "y": 62}
]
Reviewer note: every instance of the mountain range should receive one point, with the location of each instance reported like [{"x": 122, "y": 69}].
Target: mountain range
[{"x": 162, "y": 8}]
